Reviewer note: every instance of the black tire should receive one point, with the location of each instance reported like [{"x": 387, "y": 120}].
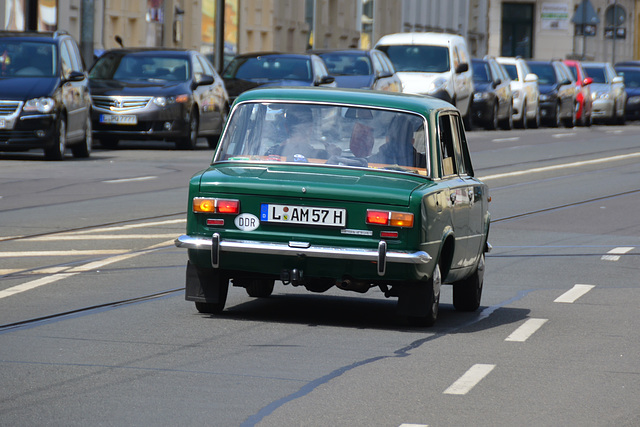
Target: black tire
[
  {"x": 218, "y": 286},
  {"x": 507, "y": 124},
  {"x": 190, "y": 140},
  {"x": 57, "y": 149},
  {"x": 83, "y": 149},
  {"x": 556, "y": 122},
  {"x": 432, "y": 302},
  {"x": 259, "y": 288},
  {"x": 571, "y": 121},
  {"x": 492, "y": 123},
  {"x": 109, "y": 142},
  {"x": 524, "y": 122},
  {"x": 467, "y": 293},
  {"x": 535, "y": 123}
]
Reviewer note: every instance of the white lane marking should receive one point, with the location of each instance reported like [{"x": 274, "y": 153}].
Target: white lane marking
[
  {"x": 140, "y": 178},
  {"x": 515, "y": 138},
  {"x": 83, "y": 268},
  {"x": 413, "y": 425},
  {"x": 525, "y": 330},
  {"x": 60, "y": 237},
  {"x": 562, "y": 166},
  {"x": 574, "y": 293},
  {"x": 470, "y": 379},
  {"x": 615, "y": 131},
  {"x": 614, "y": 254},
  {"x": 48, "y": 270},
  {"x": 128, "y": 226},
  {"x": 61, "y": 253},
  {"x": 563, "y": 135}
]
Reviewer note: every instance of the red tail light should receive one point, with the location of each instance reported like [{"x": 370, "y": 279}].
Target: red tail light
[
  {"x": 396, "y": 219},
  {"x": 207, "y": 205},
  {"x": 228, "y": 206}
]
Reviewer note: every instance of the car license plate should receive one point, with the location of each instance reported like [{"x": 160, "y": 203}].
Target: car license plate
[
  {"x": 116, "y": 119},
  {"x": 307, "y": 215}
]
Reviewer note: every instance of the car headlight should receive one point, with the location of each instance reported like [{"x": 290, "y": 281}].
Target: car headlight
[
  {"x": 160, "y": 101},
  {"x": 634, "y": 100},
  {"x": 600, "y": 95},
  {"x": 437, "y": 85},
  {"x": 42, "y": 105}
]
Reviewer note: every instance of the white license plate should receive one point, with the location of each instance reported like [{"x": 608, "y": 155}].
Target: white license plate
[
  {"x": 119, "y": 119},
  {"x": 307, "y": 215}
]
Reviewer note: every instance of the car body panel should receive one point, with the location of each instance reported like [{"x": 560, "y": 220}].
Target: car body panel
[
  {"x": 524, "y": 88},
  {"x": 557, "y": 91},
  {"x": 631, "y": 76},
  {"x": 280, "y": 196},
  {"x": 607, "y": 91},
  {"x": 493, "y": 98},
  {"x": 583, "y": 96}
]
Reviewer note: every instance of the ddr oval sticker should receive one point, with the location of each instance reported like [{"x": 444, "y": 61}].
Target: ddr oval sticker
[{"x": 247, "y": 222}]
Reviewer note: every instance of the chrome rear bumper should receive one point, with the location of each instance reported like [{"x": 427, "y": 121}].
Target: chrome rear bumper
[{"x": 302, "y": 249}]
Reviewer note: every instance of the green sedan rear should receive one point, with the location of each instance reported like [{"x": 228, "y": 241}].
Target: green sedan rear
[{"x": 327, "y": 187}]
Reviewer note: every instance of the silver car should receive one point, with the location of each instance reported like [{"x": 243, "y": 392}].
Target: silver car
[
  {"x": 607, "y": 92},
  {"x": 524, "y": 85}
]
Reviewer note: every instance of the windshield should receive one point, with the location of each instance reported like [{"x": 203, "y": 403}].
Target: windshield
[
  {"x": 20, "y": 58},
  {"x": 418, "y": 58},
  {"x": 481, "y": 72},
  {"x": 596, "y": 73},
  {"x": 344, "y": 64},
  {"x": 269, "y": 68},
  {"x": 546, "y": 74},
  {"x": 325, "y": 134},
  {"x": 141, "y": 68}
]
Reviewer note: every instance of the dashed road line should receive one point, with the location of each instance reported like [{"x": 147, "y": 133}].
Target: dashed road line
[
  {"x": 527, "y": 329},
  {"x": 614, "y": 254},
  {"x": 71, "y": 252},
  {"x": 67, "y": 237},
  {"x": 470, "y": 379},
  {"x": 563, "y": 135},
  {"x": 515, "y": 138},
  {"x": 121, "y": 180},
  {"x": 574, "y": 293}
]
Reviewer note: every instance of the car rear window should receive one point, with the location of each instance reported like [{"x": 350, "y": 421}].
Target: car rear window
[
  {"x": 418, "y": 58},
  {"x": 269, "y": 68},
  {"x": 320, "y": 134}
]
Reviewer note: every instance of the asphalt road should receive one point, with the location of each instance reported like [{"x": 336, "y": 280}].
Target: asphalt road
[{"x": 94, "y": 329}]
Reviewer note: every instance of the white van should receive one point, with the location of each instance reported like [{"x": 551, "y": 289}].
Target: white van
[{"x": 433, "y": 64}]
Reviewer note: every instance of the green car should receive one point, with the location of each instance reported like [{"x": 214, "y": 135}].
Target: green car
[{"x": 355, "y": 189}]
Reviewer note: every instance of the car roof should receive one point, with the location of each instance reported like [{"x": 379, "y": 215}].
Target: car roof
[
  {"x": 345, "y": 51},
  {"x": 33, "y": 35},
  {"x": 278, "y": 54},
  {"x": 594, "y": 64},
  {"x": 401, "y": 101},
  {"x": 430, "y": 39},
  {"x": 149, "y": 50}
]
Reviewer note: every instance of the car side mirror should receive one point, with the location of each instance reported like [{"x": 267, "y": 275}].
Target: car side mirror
[
  {"x": 617, "y": 80},
  {"x": 531, "y": 78},
  {"x": 461, "y": 68},
  {"x": 326, "y": 80},
  {"x": 564, "y": 82},
  {"x": 384, "y": 74},
  {"x": 75, "y": 76},
  {"x": 496, "y": 83},
  {"x": 204, "y": 80},
  {"x": 587, "y": 81}
]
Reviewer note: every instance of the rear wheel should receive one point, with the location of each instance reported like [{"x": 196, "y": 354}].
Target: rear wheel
[
  {"x": 212, "y": 289},
  {"x": 259, "y": 288},
  {"x": 535, "y": 122},
  {"x": 467, "y": 293},
  {"x": 492, "y": 123},
  {"x": 430, "y": 301},
  {"x": 56, "y": 151}
]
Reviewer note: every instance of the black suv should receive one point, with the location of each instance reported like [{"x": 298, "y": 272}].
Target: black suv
[{"x": 44, "y": 94}]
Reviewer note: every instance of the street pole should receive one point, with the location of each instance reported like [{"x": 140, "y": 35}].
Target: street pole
[
  {"x": 584, "y": 29},
  {"x": 219, "y": 42},
  {"x": 86, "y": 32},
  {"x": 615, "y": 31}
]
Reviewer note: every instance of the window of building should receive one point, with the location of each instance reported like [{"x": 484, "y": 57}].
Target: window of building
[{"x": 517, "y": 29}]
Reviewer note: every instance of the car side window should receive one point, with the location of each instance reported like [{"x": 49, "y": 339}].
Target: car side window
[
  {"x": 447, "y": 147},
  {"x": 460, "y": 141},
  {"x": 74, "y": 53},
  {"x": 198, "y": 69},
  {"x": 65, "y": 60}
]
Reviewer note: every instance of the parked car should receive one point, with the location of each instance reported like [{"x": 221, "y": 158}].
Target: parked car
[
  {"x": 252, "y": 70},
  {"x": 631, "y": 76},
  {"x": 607, "y": 91},
  {"x": 361, "y": 69},
  {"x": 493, "y": 99},
  {"x": 347, "y": 188},
  {"x": 584, "y": 101},
  {"x": 433, "y": 64},
  {"x": 526, "y": 95},
  {"x": 44, "y": 95},
  {"x": 157, "y": 93},
  {"x": 557, "y": 92}
]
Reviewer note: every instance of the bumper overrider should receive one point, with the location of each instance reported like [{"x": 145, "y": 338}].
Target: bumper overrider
[{"x": 302, "y": 249}]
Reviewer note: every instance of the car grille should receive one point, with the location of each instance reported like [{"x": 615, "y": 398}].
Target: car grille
[
  {"x": 120, "y": 103},
  {"x": 8, "y": 107}
]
